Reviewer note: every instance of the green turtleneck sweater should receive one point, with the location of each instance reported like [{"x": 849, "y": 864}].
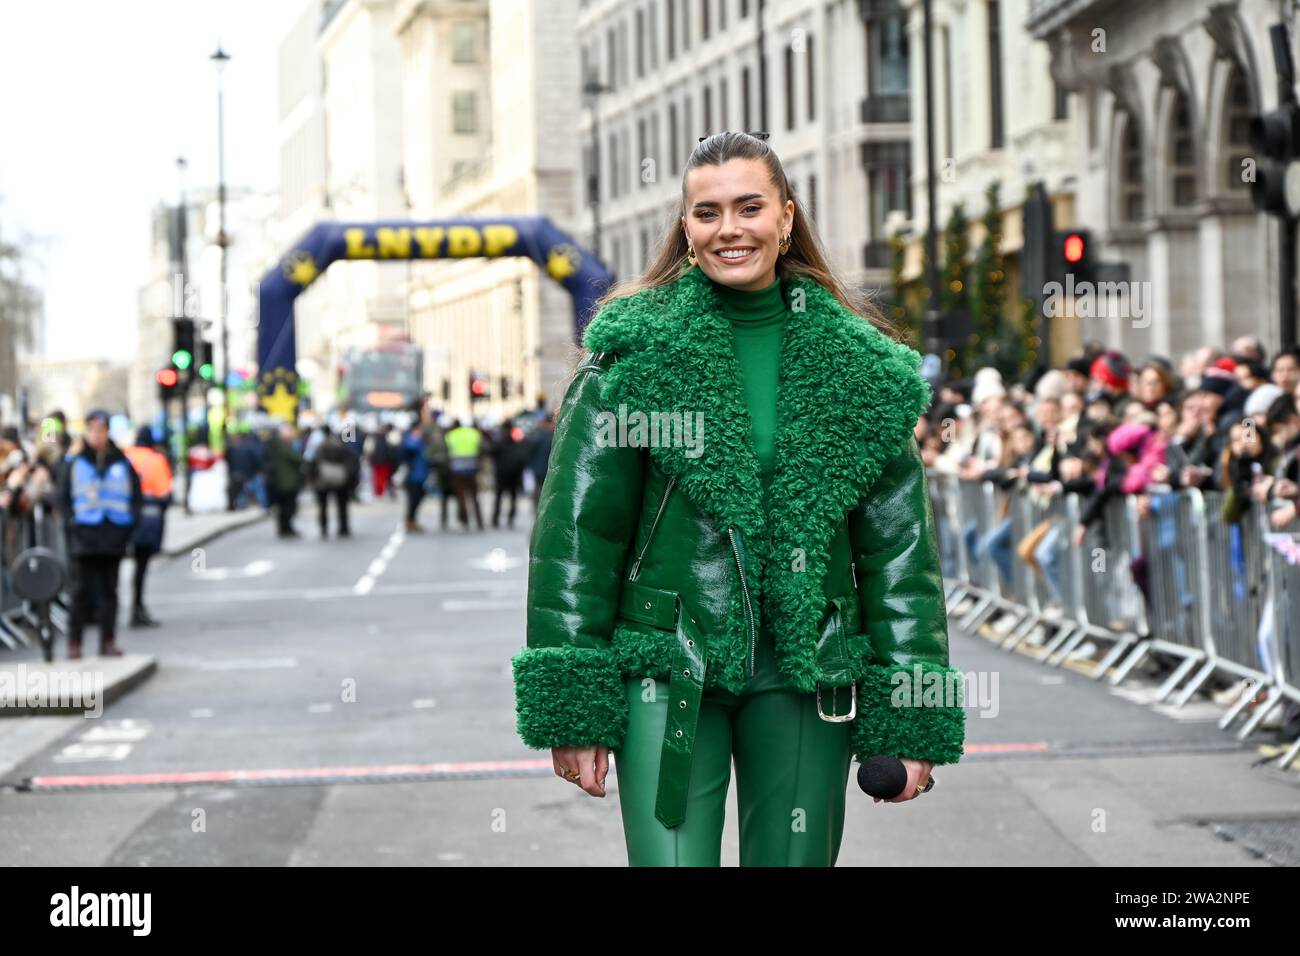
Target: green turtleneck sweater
[{"x": 758, "y": 323}]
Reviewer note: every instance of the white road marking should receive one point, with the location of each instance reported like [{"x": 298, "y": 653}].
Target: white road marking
[
  {"x": 496, "y": 561},
  {"x": 483, "y": 605},
  {"x": 202, "y": 712},
  {"x": 320, "y": 708},
  {"x": 366, "y": 583},
  {"x": 423, "y": 703},
  {"x": 254, "y": 569},
  {"x": 248, "y": 664}
]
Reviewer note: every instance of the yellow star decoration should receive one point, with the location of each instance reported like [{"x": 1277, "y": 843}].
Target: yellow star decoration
[
  {"x": 300, "y": 268},
  {"x": 562, "y": 262},
  {"x": 281, "y": 403}
]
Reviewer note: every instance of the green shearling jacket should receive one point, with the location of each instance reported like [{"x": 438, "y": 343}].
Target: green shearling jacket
[{"x": 642, "y": 537}]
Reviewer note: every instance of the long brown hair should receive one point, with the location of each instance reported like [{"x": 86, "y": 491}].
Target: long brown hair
[{"x": 805, "y": 256}]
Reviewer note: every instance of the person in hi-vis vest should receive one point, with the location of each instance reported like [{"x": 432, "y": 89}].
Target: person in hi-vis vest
[{"x": 101, "y": 500}]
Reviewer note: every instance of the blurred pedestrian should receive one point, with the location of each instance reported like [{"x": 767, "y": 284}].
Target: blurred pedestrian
[
  {"x": 156, "y": 489},
  {"x": 417, "y": 473},
  {"x": 101, "y": 499},
  {"x": 464, "y": 446},
  {"x": 333, "y": 473},
  {"x": 284, "y": 479},
  {"x": 508, "y": 457},
  {"x": 539, "y": 453}
]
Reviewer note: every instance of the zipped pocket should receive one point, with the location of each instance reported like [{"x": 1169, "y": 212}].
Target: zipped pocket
[{"x": 636, "y": 565}]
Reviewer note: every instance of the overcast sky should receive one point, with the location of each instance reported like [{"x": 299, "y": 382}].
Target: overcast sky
[{"x": 98, "y": 99}]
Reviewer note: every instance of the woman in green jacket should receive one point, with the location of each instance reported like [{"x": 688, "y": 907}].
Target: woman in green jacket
[{"x": 734, "y": 554}]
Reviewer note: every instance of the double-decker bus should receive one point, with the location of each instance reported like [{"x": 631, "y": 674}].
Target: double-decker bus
[{"x": 385, "y": 377}]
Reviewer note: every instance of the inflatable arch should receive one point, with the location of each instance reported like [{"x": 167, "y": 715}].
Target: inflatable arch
[{"x": 536, "y": 237}]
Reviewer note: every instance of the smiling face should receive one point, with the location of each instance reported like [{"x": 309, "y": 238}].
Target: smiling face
[{"x": 734, "y": 221}]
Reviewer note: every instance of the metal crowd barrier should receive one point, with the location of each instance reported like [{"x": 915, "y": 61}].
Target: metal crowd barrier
[
  {"x": 40, "y": 527},
  {"x": 1175, "y": 581}
]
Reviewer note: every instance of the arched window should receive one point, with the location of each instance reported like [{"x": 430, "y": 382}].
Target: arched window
[
  {"x": 1182, "y": 152},
  {"x": 1132, "y": 194},
  {"x": 1238, "y": 108}
]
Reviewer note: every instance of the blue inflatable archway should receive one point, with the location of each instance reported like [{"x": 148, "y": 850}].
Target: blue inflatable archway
[{"x": 536, "y": 237}]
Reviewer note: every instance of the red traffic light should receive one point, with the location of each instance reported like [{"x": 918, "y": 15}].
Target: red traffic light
[
  {"x": 1074, "y": 248},
  {"x": 167, "y": 377},
  {"x": 478, "y": 387}
]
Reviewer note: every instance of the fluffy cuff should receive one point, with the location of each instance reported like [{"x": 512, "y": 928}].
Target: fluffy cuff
[
  {"x": 569, "y": 696},
  {"x": 912, "y": 711}
]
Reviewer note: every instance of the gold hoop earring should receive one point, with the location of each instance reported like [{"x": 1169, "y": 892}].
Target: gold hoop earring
[
  {"x": 784, "y": 245},
  {"x": 690, "y": 255}
]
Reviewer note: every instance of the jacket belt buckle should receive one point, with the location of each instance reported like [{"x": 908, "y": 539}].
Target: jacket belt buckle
[{"x": 834, "y": 718}]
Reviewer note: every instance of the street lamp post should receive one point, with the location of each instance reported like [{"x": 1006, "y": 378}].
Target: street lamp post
[{"x": 219, "y": 60}]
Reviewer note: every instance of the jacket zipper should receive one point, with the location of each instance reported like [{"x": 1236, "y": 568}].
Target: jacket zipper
[
  {"x": 636, "y": 565},
  {"x": 749, "y": 608}
]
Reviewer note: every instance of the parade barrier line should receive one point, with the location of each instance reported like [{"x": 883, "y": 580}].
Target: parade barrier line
[{"x": 1162, "y": 575}]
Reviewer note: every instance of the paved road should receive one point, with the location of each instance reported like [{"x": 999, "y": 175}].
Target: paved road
[{"x": 365, "y": 685}]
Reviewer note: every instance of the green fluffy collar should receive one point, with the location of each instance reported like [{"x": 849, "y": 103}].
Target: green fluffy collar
[{"x": 847, "y": 400}]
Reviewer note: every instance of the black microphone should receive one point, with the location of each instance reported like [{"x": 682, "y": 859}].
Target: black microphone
[{"x": 883, "y": 777}]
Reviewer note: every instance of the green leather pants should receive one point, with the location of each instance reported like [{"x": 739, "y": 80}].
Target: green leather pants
[{"x": 792, "y": 772}]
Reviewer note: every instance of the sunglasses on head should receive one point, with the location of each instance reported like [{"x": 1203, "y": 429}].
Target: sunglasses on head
[{"x": 757, "y": 134}]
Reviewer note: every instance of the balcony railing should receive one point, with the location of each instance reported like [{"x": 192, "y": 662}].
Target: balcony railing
[{"x": 893, "y": 108}]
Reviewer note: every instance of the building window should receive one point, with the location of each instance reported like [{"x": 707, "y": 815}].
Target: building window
[
  {"x": 1060, "y": 102},
  {"x": 613, "y": 166},
  {"x": 463, "y": 112},
  {"x": 689, "y": 131},
  {"x": 1132, "y": 206},
  {"x": 654, "y": 142},
  {"x": 722, "y": 103},
  {"x": 1182, "y": 152},
  {"x": 704, "y": 19},
  {"x": 654, "y": 36},
  {"x": 745, "y": 112},
  {"x": 610, "y": 57},
  {"x": 722, "y": 15},
  {"x": 888, "y": 187},
  {"x": 789, "y": 87},
  {"x": 708, "y": 112},
  {"x": 812, "y": 197},
  {"x": 670, "y": 14},
  {"x": 462, "y": 43},
  {"x": 887, "y": 61},
  {"x": 686, "y": 24},
  {"x": 592, "y": 180},
  {"x": 810, "y": 78},
  {"x": 744, "y": 9},
  {"x": 645, "y": 249},
  {"x": 1239, "y": 109},
  {"x": 995, "y": 75},
  {"x": 672, "y": 138},
  {"x": 640, "y": 43},
  {"x": 640, "y": 149},
  {"x": 623, "y": 58}
]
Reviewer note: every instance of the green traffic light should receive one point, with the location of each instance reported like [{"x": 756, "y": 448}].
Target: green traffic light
[
  {"x": 205, "y": 370},
  {"x": 182, "y": 359}
]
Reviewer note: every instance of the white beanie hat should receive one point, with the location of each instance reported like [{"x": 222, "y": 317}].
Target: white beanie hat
[
  {"x": 1261, "y": 398},
  {"x": 988, "y": 384}
]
